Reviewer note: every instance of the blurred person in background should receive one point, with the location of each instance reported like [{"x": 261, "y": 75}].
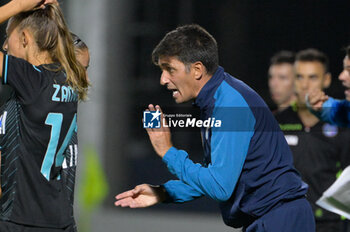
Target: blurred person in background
[
  {"x": 281, "y": 79},
  {"x": 81, "y": 51},
  {"x": 331, "y": 110},
  {"x": 248, "y": 166},
  {"x": 320, "y": 150}
]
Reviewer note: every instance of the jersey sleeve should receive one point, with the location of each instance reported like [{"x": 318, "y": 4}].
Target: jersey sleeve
[
  {"x": 340, "y": 113},
  {"x": 25, "y": 78},
  {"x": 179, "y": 192},
  {"x": 229, "y": 148},
  {"x": 336, "y": 112}
]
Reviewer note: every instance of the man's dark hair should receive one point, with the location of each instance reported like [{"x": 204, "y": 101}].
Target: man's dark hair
[
  {"x": 311, "y": 55},
  {"x": 189, "y": 44},
  {"x": 282, "y": 57}
]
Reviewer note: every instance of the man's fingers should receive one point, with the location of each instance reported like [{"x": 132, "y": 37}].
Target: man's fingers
[
  {"x": 129, "y": 198},
  {"x": 151, "y": 107},
  {"x": 42, "y": 6},
  {"x": 149, "y": 130},
  {"x": 136, "y": 190},
  {"x": 319, "y": 99},
  {"x": 43, "y": 3},
  {"x": 318, "y": 105},
  {"x": 125, "y": 194},
  {"x": 124, "y": 202},
  {"x": 315, "y": 98},
  {"x": 164, "y": 122},
  {"x": 158, "y": 108}
]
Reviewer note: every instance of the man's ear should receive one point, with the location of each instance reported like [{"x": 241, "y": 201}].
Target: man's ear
[
  {"x": 199, "y": 70},
  {"x": 25, "y": 37},
  {"x": 327, "y": 80}
]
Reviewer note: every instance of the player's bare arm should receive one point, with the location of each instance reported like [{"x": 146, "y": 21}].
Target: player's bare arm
[
  {"x": 316, "y": 99},
  {"x": 16, "y": 6},
  {"x": 141, "y": 196},
  {"x": 160, "y": 138}
]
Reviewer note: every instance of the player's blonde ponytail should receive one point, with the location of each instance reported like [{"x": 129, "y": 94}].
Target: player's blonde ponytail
[{"x": 51, "y": 34}]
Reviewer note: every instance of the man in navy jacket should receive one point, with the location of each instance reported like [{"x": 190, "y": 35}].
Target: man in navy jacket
[{"x": 248, "y": 166}]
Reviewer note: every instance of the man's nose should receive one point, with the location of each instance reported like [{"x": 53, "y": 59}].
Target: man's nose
[
  {"x": 305, "y": 84},
  {"x": 342, "y": 75},
  {"x": 164, "y": 79}
]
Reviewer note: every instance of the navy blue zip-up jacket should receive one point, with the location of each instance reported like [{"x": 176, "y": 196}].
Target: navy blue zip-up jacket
[{"x": 248, "y": 164}]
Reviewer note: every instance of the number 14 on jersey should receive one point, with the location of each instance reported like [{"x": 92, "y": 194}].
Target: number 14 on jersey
[{"x": 55, "y": 121}]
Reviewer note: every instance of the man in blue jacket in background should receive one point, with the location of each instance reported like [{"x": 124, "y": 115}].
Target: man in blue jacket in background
[
  {"x": 329, "y": 109},
  {"x": 248, "y": 165}
]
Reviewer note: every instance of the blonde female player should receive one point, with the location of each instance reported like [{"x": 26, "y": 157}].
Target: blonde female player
[{"x": 40, "y": 119}]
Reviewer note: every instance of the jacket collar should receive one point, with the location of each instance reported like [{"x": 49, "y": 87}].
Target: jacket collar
[{"x": 207, "y": 92}]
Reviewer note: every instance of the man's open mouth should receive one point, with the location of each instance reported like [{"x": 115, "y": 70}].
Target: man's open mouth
[{"x": 174, "y": 91}]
